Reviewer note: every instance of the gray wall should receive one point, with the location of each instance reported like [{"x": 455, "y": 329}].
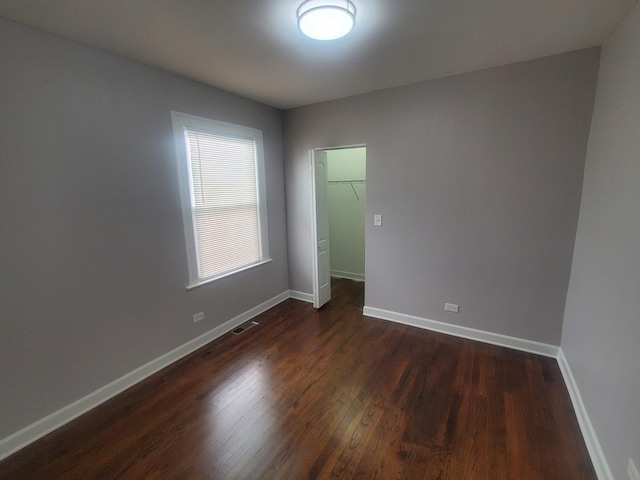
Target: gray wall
[
  {"x": 601, "y": 332},
  {"x": 92, "y": 246},
  {"x": 478, "y": 177}
]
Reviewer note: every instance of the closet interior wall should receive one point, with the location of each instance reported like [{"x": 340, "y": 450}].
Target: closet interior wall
[{"x": 346, "y": 196}]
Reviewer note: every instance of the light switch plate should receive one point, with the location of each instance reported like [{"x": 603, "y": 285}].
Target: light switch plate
[{"x": 377, "y": 220}]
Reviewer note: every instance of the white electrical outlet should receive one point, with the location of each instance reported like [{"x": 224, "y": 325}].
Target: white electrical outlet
[
  {"x": 198, "y": 316},
  {"x": 632, "y": 471},
  {"x": 451, "y": 307}
]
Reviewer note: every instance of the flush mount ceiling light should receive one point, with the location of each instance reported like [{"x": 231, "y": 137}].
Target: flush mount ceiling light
[{"x": 326, "y": 19}]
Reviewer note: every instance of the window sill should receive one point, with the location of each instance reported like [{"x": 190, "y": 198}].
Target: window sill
[{"x": 193, "y": 286}]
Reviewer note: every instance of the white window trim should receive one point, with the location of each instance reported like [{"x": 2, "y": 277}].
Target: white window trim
[{"x": 181, "y": 121}]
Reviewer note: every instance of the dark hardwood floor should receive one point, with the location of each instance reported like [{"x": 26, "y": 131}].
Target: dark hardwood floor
[{"x": 327, "y": 394}]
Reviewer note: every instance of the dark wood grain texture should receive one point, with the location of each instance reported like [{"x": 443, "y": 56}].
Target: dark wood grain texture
[{"x": 327, "y": 394}]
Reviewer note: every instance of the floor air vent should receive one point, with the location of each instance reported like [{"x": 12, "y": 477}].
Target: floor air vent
[{"x": 244, "y": 327}]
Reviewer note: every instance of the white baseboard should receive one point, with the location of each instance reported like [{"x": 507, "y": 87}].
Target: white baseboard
[
  {"x": 358, "y": 277},
  {"x": 33, "y": 432},
  {"x": 305, "y": 297},
  {"x": 593, "y": 445},
  {"x": 464, "y": 332}
]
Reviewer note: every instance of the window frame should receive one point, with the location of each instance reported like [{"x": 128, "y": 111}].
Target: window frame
[{"x": 181, "y": 123}]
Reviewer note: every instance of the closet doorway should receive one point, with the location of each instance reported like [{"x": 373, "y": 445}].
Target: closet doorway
[{"x": 339, "y": 181}]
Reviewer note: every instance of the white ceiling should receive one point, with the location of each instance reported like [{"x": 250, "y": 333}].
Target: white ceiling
[{"x": 253, "y": 47}]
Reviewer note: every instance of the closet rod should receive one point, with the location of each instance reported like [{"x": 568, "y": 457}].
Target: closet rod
[{"x": 350, "y": 182}]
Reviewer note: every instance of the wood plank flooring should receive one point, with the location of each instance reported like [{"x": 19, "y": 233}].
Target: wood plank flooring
[{"x": 327, "y": 394}]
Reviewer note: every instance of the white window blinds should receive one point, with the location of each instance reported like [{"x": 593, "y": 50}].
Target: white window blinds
[{"x": 224, "y": 201}]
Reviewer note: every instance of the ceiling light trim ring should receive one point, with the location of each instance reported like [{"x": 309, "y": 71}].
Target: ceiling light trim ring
[{"x": 310, "y": 8}]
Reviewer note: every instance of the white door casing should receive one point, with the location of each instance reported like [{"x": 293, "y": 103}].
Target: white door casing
[{"x": 321, "y": 257}]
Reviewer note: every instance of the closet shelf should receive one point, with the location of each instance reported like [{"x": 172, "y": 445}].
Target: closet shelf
[{"x": 346, "y": 181}]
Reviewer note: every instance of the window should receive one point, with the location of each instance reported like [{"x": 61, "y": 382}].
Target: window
[{"x": 221, "y": 175}]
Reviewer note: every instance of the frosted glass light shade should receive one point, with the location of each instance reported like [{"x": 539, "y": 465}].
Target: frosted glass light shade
[{"x": 326, "y": 19}]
